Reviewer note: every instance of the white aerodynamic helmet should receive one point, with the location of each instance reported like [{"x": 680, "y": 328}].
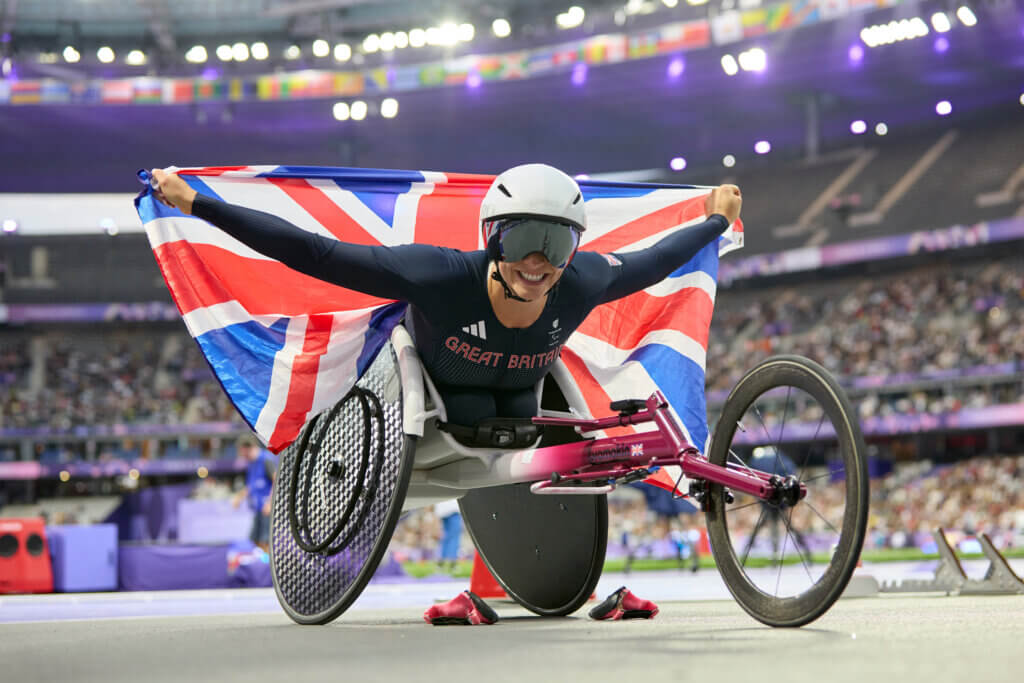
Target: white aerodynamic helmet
[{"x": 533, "y": 207}]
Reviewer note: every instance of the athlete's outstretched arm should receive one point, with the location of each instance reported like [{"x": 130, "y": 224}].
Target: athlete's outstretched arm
[
  {"x": 641, "y": 269},
  {"x": 405, "y": 272}
]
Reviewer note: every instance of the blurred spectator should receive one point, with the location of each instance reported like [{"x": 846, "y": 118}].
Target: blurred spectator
[{"x": 259, "y": 480}]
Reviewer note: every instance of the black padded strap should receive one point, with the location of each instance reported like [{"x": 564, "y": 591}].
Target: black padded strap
[{"x": 498, "y": 432}]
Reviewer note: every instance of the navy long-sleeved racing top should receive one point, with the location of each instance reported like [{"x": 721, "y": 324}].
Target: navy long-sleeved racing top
[{"x": 456, "y": 332}]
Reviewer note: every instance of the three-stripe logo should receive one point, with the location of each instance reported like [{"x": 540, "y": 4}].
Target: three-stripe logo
[{"x": 476, "y": 329}]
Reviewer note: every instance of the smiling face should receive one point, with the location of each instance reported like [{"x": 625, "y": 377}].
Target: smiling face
[{"x": 532, "y": 277}]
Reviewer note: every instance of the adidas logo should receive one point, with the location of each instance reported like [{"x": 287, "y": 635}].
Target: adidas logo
[{"x": 476, "y": 329}]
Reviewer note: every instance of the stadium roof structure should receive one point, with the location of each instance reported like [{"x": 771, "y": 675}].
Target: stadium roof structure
[{"x": 639, "y": 113}]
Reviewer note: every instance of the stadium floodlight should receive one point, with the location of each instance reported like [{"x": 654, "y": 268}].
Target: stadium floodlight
[
  {"x": 433, "y": 35},
  {"x": 259, "y": 51},
  {"x": 695, "y": 3},
  {"x": 1022, "y": 99},
  {"x": 387, "y": 41},
  {"x": 224, "y": 53},
  {"x": 321, "y": 48},
  {"x": 5, "y": 69},
  {"x": 943, "y": 108},
  {"x": 466, "y": 32},
  {"x": 676, "y": 67},
  {"x": 240, "y": 52},
  {"x": 342, "y": 52},
  {"x": 966, "y": 16},
  {"x": 762, "y": 147},
  {"x": 105, "y": 54},
  {"x": 881, "y": 129},
  {"x": 10, "y": 226},
  {"x": 71, "y": 55},
  {"x": 401, "y": 40},
  {"x": 358, "y": 110},
  {"x": 729, "y": 65},
  {"x": 940, "y": 22},
  {"x": 571, "y": 18},
  {"x": 579, "y": 74},
  {"x": 136, "y": 58},
  {"x": 670, "y": 3},
  {"x": 389, "y": 108},
  {"x": 501, "y": 28},
  {"x": 417, "y": 37},
  {"x": 858, "y": 127},
  {"x": 677, "y": 164},
  {"x": 196, "y": 54},
  {"x": 753, "y": 59},
  {"x": 371, "y": 43},
  {"x": 728, "y": 161},
  {"x": 449, "y": 33},
  {"x": 341, "y": 111},
  {"x": 292, "y": 52}
]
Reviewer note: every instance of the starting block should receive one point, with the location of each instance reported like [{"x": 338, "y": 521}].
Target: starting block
[
  {"x": 999, "y": 579},
  {"x": 950, "y": 578}
]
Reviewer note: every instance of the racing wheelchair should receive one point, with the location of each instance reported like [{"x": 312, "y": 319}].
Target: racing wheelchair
[{"x": 533, "y": 492}]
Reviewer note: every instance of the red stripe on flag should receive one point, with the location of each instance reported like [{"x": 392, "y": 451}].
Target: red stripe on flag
[
  {"x": 688, "y": 311},
  {"x": 450, "y": 215},
  {"x": 202, "y": 275},
  {"x": 212, "y": 170},
  {"x": 645, "y": 226},
  {"x": 302, "y": 382},
  {"x": 663, "y": 480},
  {"x": 325, "y": 211},
  {"x": 596, "y": 398}
]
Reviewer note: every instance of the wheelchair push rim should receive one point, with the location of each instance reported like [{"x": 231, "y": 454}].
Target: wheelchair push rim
[{"x": 787, "y": 561}]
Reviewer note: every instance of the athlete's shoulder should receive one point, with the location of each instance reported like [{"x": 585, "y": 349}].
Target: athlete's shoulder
[{"x": 590, "y": 269}]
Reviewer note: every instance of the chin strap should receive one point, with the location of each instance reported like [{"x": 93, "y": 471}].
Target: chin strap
[{"x": 509, "y": 294}]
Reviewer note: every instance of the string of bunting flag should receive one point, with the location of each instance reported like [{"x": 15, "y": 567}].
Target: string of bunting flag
[{"x": 672, "y": 38}]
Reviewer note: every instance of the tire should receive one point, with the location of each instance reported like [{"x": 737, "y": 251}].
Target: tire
[
  {"x": 338, "y": 496},
  {"x": 737, "y": 432}
]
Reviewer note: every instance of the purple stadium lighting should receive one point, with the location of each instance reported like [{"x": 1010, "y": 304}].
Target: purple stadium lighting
[
  {"x": 941, "y": 44},
  {"x": 762, "y": 147},
  {"x": 676, "y": 68},
  {"x": 855, "y": 54},
  {"x": 473, "y": 81},
  {"x": 858, "y": 127},
  {"x": 677, "y": 164},
  {"x": 211, "y": 74},
  {"x": 579, "y": 74},
  {"x": 943, "y": 108}
]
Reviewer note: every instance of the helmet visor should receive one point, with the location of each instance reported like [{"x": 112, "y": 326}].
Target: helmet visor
[{"x": 520, "y": 237}]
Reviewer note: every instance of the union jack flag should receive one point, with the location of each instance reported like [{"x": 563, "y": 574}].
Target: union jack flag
[{"x": 286, "y": 346}]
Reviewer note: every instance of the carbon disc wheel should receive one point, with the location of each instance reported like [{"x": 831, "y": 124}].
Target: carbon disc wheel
[
  {"x": 786, "y": 562},
  {"x": 337, "y": 497}
]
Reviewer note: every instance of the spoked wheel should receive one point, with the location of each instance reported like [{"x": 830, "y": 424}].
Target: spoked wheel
[
  {"x": 785, "y": 562},
  {"x": 337, "y": 497}
]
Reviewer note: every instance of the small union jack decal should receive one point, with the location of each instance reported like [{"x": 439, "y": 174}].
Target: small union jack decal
[{"x": 636, "y": 450}]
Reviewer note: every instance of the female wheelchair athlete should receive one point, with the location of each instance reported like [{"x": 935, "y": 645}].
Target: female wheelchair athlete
[{"x": 538, "y": 514}]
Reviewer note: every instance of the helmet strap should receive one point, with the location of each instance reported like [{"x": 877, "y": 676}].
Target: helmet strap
[{"x": 509, "y": 294}]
